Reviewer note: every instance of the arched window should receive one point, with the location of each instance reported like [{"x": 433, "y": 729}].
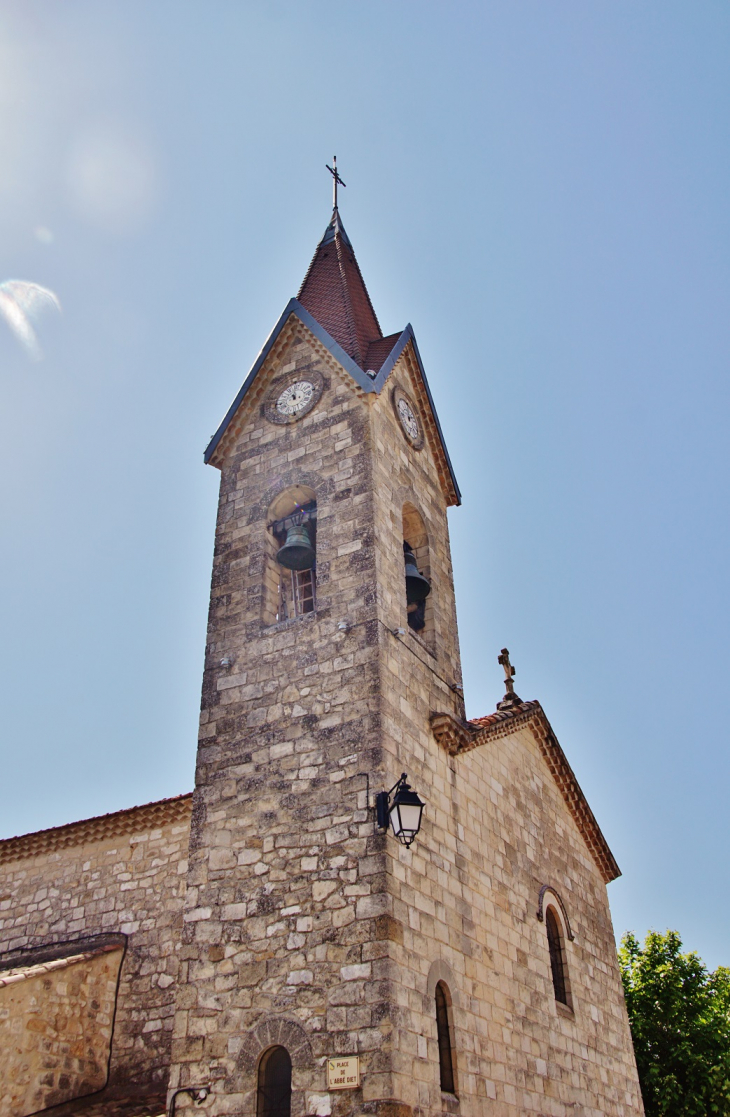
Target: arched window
[
  {"x": 419, "y": 607},
  {"x": 443, "y": 1029},
  {"x": 557, "y": 958},
  {"x": 274, "y": 1086},
  {"x": 291, "y": 562}
]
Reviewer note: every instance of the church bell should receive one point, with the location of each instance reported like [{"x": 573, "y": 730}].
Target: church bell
[
  {"x": 417, "y": 587},
  {"x": 298, "y": 552}
]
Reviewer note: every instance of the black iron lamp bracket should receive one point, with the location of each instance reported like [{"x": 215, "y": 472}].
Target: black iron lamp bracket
[
  {"x": 382, "y": 802},
  {"x": 197, "y": 1093}
]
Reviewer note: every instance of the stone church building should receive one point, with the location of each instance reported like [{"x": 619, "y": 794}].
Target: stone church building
[{"x": 286, "y": 941}]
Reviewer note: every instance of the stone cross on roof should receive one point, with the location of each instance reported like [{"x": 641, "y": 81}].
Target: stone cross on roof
[
  {"x": 336, "y": 180},
  {"x": 510, "y": 698}
]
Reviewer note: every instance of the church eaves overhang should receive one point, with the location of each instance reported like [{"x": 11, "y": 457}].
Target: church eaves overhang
[
  {"x": 458, "y": 736},
  {"x": 148, "y": 816},
  {"x": 367, "y": 383}
]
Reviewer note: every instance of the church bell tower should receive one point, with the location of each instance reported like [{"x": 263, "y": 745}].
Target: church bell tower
[{"x": 323, "y": 662}]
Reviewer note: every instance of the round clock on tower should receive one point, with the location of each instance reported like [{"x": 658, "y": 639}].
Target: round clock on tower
[{"x": 295, "y": 398}]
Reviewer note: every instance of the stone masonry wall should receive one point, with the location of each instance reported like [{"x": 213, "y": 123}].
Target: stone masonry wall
[
  {"x": 73, "y": 888},
  {"x": 463, "y": 900},
  {"x": 56, "y": 1025}
]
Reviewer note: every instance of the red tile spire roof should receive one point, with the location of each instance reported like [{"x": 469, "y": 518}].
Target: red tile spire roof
[{"x": 334, "y": 293}]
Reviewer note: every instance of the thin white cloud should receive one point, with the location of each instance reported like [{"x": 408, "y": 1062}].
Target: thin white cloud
[{"x": 21, "y": 301}]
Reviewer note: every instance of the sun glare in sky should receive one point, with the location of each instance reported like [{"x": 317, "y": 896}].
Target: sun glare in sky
[{"x": 23, "y": 305}]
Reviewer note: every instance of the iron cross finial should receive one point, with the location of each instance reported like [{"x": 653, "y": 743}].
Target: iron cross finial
[
  {"x": 336, "y": 180},
  {"x": 510, "y": 698}
]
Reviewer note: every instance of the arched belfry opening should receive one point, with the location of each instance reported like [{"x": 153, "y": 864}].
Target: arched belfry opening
[
  {"x": 290, "y": 576},
  {"x": 273, "y": 1095},
  {"x": 419, "y": 602}
]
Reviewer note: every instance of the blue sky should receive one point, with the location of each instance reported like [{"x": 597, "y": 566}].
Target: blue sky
[{"x": 541, "y": 189}]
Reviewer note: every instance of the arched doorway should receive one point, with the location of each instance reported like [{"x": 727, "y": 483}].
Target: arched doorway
[{"x": 274, "y": 1084}]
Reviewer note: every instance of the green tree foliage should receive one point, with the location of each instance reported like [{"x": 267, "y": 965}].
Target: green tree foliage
[{"x": 680, "y": 1023}]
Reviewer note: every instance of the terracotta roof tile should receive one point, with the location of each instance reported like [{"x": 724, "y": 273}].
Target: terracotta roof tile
[
  {"x": 379, "y": 351},
  {"x": 334, "y": 293},
  {"x": 499, "y": 716},
  {"x": 142, "y": 1101},
  {"x": 23, "y": 973},
  {"x": 132, "y": 820}
]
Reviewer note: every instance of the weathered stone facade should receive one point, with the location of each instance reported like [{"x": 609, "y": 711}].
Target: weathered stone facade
[
  {"x": 287, "y": 903},
  {"x": 301, "y": 924},
  {"x": 56, "y": 1021},
  {"x": 89, "y": 888}
]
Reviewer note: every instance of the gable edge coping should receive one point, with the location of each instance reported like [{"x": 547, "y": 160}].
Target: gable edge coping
[{"x": 361, "y": 378}]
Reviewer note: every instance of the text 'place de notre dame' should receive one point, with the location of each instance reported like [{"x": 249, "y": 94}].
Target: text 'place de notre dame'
[{"x": 368, "y": 904}]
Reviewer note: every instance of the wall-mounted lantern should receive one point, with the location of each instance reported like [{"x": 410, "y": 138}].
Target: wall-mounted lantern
[{"x": 403, "y": 812}]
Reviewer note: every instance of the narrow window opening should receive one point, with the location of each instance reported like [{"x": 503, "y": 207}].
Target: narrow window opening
[
  {"x": 297, "y": 593},
  {"x": 557, "y": 958},
  {"x": 274, "y": 1085},
  {"x": 446, "y": 1060},
  {"x": 302, "y": 591}
]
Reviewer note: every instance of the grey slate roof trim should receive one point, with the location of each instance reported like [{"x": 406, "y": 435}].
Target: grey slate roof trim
[
  {"x": 385, "y": 371},
  {"x": 345, "y": 360},
  {"x": 335, "y": 226},
  {"x": 392, "y": 359}
]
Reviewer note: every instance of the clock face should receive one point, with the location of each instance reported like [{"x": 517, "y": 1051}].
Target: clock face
[
  {"x": 408, "y": 420},
  {"x": 295, "y": 398},
  {"x": 407, "y": 413},
  {"x": 292, "y": 398}
]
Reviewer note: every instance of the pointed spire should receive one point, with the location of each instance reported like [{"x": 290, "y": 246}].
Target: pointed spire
[{"x": 334, "y": 293}]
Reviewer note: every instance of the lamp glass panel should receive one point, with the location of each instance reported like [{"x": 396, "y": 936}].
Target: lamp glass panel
[
  {"x": 395, "y": 819},
  {"x": 410, "y": 816},
  {"x": 405, "y": 818}
]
